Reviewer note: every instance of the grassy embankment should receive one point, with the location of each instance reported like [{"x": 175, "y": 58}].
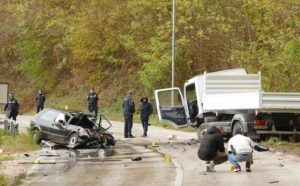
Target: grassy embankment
[
  {"x": 10, "y": 144},
  {"x": 14, "y": 144}
]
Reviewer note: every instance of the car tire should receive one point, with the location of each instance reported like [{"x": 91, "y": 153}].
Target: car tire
[
  {"x": 37, "y": 136},
  {"x": 237, "y": 125},
  {"x": 73, "y": 139}
]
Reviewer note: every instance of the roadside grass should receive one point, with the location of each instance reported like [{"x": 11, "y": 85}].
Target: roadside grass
[
  {"x": 3, "y": 180},
  {"x": 10, "y": 144},
  {"x": 283, "y": 146}
]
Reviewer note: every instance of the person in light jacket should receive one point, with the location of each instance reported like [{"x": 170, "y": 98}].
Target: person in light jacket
[{"x": 240, "y": 149}]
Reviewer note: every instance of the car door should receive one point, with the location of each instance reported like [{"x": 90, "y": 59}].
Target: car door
[
  {"x": 58, "y": 129},
  {"x": 170, "y": 106},
  {"x": 44, "y": 119}
]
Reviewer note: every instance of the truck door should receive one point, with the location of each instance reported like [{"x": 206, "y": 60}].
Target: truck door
[{"x": 170, "y": 106}]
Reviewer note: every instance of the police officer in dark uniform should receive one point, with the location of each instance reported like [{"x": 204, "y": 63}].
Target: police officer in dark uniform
[
  {"x": 128, "y": 110},
  {"x": 40, "y": 100},
  {"x": 92, "y": 99},
  {"x": 146, "y": 110},
  {"x": 11, "y": 108}
]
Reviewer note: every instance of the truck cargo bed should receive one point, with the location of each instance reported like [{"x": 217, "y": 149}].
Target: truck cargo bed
[{"x": 243, "y": 93}]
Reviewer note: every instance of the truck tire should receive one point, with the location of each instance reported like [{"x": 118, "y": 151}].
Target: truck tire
[{"x": 237, "y": 125}]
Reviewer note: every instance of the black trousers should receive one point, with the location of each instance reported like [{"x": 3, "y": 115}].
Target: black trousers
[
  {"x": 39, "y": 108},
  {"x": 128, "y": 126},
  {"x": 93, "y": 109},
  {"x": 12, "y": 115}
]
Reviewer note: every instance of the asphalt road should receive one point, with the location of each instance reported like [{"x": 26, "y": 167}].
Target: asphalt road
[{"x": 71, "y": 168}]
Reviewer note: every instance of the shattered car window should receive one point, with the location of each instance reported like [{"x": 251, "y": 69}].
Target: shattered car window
[
  {"x": 49, "y": 116},
  {"x": 61, "y": 116}
]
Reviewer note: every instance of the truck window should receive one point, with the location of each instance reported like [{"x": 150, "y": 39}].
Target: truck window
[
  {"x": 192, "y": 101},
  {"x": 170, "y": 99},
  {"x": 171, "y": 107}
]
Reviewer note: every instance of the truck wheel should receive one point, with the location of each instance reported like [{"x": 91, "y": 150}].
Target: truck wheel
[
  {"x": 237, "y": 126},
  {"x": 73, "y": 140}
]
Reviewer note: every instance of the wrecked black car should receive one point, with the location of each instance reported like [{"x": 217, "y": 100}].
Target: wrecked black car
[{"x": 73, "y": 129}]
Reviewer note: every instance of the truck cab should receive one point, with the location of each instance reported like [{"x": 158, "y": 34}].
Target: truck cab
[{"x": 187, "y": 109}]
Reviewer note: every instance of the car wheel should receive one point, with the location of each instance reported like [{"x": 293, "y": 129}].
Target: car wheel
[
  {"x": 73, "y": 139},
  {"x": 237, "y": 126},
  {"x": 37, "y": 136}
]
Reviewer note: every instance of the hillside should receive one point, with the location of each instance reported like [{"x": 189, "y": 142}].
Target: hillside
[{"x": 68, "y": 46}]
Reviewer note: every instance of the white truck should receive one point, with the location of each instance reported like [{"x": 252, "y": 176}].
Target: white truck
[{"x": 232, "y": 99}]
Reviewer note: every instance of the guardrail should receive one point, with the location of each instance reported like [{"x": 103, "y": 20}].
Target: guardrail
[{"x": 10, "y": 126}]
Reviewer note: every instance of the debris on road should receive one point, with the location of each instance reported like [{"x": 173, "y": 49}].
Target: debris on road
[
  {"x": 172, "y": 137},
  {"x": 273, "y": 182},
  {"x": 153, "y": 144},
  {"x": 167, "y": 158},
  {"x": 36, "y": 162},
  {"x": 136, "y": 158}
]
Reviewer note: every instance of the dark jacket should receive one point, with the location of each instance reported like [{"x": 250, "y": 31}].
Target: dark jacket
[
  {"x": 11, "y": 107},
  {"x": 146, "y": 109},
  {"x": 212, "y": 143},
  {"x": 128, "y": 107},
  {"x": 92, "y": 99},
  {"x": 40, "y": 99}
]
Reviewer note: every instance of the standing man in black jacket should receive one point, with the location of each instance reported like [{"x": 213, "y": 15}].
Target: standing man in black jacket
[
  {"x": 92, "y": 99},
  {"x": 40, "y": 100},
  {"x": 212, "y": 148},
  {"x": 128, "y": 110},
  {"x": 146, "y": 111},
  {"x": 11, "y": 108}
]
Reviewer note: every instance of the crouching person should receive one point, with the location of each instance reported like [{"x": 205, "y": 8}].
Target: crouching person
[
  {"x": 212, "y": 148},
  {"x": 240, "y": 149}
]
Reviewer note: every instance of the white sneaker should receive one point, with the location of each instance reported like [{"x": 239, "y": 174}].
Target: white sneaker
[{"x": 211, "y": 166}]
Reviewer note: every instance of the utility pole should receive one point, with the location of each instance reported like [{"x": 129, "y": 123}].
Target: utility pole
[
  {"x": 173, "y": 43},
  {"x": 173, "y": 49}
]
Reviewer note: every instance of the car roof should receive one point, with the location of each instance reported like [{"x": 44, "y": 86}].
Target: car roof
[{"x": 66, "y": 111}]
